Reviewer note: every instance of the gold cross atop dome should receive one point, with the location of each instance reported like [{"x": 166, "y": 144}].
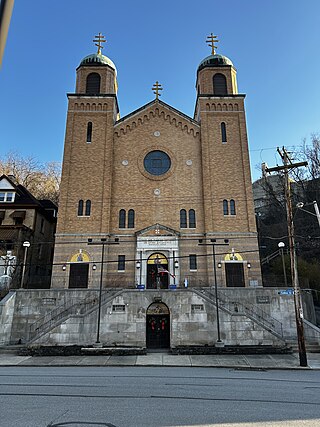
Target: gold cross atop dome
[
  {"x": 156, "y": 87},
  {"x": 98, "y": 40},
  {"x": 211, "y": 40}
]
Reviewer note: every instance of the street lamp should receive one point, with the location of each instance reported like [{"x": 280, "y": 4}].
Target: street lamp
[
  {"x": 214, "y": 244},
  {"x": 26, "y": 245},
  {"x": 281, "y": 245},
  {"x": 103, "y": 243}
]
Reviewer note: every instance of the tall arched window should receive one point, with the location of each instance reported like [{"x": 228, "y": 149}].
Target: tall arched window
[
  {"x": 80, "y": 208},
  {"x": 220, "y": 84},
  {"x": 232, "y": 207},
  {"x": 122, "y": 218},
  {"x": 183, "y": 218},
  {"x": 88, "y": 208},
  {"x": 223, "y": 132},
  {"x": 93, "y": 83},
  {"x": 89, "y": 132},
  {"x": 192, "y": 218},
  {"x": 225, "y": 207},
  {"x": 131, "y": 218}
]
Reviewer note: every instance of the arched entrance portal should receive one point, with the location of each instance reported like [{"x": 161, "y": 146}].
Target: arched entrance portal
[
  {"x": 157, "y": 272},
  {"x": 158, "y": 326}
]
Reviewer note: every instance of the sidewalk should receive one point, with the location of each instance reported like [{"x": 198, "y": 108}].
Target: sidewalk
[{"x": 267, "y": 361}]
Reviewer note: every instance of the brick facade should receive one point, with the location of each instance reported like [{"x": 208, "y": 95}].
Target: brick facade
[{"x": 109, "y": 171}]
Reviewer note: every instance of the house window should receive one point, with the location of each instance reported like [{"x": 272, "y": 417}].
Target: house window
[
  {"x": 121, "y": 262},
  {"x": 7, "y": 197},
  {"x": 131, "y": 218},
  {"x": 88, "y": 208},
  {"x": 193, "y": 262},
  {"x": 219, "y": 84},
  {"x": 89, "y": 132},
  {"x": 192, "y": 218},
  {"x": 118, "y": 308},
  {"x": 80, "y": 208},
  {"x": 183, "y": 218},
  {"x": 232, "y": 207},
  {"x": 93, "y": 84},
  {"x": 223, "y": 133},
  {"x": 122, "y": 218},
  {"x": 225, "y": 207}
]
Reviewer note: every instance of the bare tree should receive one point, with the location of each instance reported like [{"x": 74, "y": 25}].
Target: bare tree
[{"x": 42, "y": 180}]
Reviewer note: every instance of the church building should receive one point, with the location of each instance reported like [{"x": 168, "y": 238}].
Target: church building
[{"x": 156, "y": 199}]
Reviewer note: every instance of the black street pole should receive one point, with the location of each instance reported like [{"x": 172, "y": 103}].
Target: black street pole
[
  {"x": 100, "y": 295},
  {"x": 103, "y": 242},
  {"x": 214, "y": 244}
]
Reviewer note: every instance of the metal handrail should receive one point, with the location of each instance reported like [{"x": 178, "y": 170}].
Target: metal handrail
[
  {"x": 254, "y": 313},
  {"x": 56, "y": 316}
]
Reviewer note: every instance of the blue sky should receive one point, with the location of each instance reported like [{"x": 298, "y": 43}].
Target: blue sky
[{"x": 274, "y": 46}]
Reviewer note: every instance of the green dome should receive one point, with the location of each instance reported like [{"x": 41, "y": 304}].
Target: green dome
[
  {"x": 98, "y": 59},
  {"x": 214, "y": 61}
]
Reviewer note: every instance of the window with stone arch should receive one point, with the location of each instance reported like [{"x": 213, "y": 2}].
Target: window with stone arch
[
  {"x": 80, "y": 208},
  {"x": 183, "y": 218},
  {"x": 220, "y": 84},
  {"x": 223, "y": 133},
  {"x": 131, "y": 218},
  {"x": 225, "y": 207},
  {"x": 122, "y": 218},
  {"x": 93, "y": 83},
  {"x": 192, "y": 218},
  {"x": 88, "y": 208},
  {"x": 89, "y": 132}
]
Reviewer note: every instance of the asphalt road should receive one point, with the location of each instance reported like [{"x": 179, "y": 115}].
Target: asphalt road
[{"x": 157, "y": 397}]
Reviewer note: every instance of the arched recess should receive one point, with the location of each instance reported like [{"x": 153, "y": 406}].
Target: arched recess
[
  {"x": 93, "y": 83},
  {"x": 157, "y": 272},
  {"x": 158, "y": 326},
  {"x": 220, "y": 84}
]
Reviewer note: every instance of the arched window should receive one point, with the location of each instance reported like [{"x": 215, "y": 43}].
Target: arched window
[
  {"x": 183, "y": 218},
  {"x": 131, "y": 218},
  {"x": 93, "y": 83},
  {"x": 89, "y": 132},
  {"x": 192, "y": 218},
  {"x": 223, "y": 132},
  {"x": 88, "y": 208},
  {"x": 232, "y": 207},
  {"x": 80, "y": 208},
  {"x": 122, "y": 218},
  {"x": 219, "y": 84},
  {"x": 225, "y": 207}
]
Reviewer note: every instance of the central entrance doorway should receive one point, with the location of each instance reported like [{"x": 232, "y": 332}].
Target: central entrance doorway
[
  {"x": 158, "y": 326},
  {"x": 157, "y": 272}
]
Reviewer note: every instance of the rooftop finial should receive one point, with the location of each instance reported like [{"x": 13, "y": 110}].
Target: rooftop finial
[
  {"x": 98, "y": 40},
  {"x": 211, "y": 40},
  {"x": 156, "y": 87}
]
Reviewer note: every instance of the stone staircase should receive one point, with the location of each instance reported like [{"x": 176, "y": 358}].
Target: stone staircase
[
  {"x": 252, "y": 312},
  {"x": 73, "y": 307}
]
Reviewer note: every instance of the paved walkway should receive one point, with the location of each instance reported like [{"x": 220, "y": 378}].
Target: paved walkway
[{"x": 267, "y": 361}]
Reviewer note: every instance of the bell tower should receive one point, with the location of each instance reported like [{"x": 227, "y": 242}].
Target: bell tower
[
  {"x": 86, "y": 183},
  {"x": 227, "y": 190}
]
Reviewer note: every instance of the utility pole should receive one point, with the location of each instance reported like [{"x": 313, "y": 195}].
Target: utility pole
[{"x": 288, "y": 165}]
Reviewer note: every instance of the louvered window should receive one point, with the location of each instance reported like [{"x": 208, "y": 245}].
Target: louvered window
[
  {"x": 93, "y": 83},
  {"x": 219, "y": 84}
]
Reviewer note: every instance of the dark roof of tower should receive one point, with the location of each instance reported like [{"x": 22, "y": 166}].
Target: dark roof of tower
[
  {"x": 97, "y": 59},
  {"x": 215, "y": 60}
]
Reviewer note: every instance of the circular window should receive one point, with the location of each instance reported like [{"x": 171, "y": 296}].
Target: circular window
[{"x": 157, "y": 163}]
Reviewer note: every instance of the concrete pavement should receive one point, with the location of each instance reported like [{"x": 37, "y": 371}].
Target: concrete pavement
[{"x": 250, "y": 361}]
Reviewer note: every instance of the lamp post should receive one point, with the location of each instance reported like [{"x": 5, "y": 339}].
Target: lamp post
[
  {"x": 26, "y": 245},
  {"x": 281, "y": 245},
  {"x": 103, "y": 243},
  {"x": 214, "y": 244}
]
